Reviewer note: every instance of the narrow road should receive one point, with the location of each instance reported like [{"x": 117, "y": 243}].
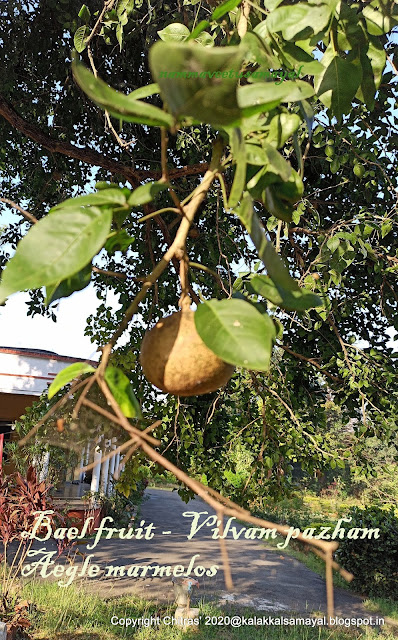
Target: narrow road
[{"x": 264, "y": 578}]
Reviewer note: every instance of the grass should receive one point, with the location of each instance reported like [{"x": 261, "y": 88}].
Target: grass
[{"x": 72, "y": 613}]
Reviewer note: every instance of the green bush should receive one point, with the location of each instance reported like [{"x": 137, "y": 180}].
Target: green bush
[{"x": 374, "y": 562}]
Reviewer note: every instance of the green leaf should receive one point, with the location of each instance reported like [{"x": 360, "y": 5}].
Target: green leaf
[
  {"x": 79, "y": 39},
  {"x": 120, "y": 241},
  {"x": 109, "y": 196},
  {"x": 292, "y": 19},
  {"x": 224, "y": 8},
  {"x": 282, "y": 127},
  {"x": 338, "y": 84},
  {"x": 276, "y": 162},
  {"x": 55, "y": 248},
  {"x": 266, "y": 251},
  {"x": 65, "y": 288},
  {"x": 270, "y": 158},
  {"x": 290, "y": 190},
  {"x": 144, "y": 92},
  {"x": 260, "y": 50},
  {"x": 307, "y": 112},
  {"x": 298, "y": 57},
  {"x": 124, "y": 6},
  {"x": 379, "y": 19},
  {"x": 333, "y": 243},
  {"x": 203, "y": 24},
  {"x": 297, "y": 300},
  {"x": 264, "y": 96},
  {"x": 276, "y": 206},
  {"x": 102, "y": 184},
  {"x": 146, "y": 193},
  {"x": 118, "y": 105},
  {"x": 68, "y": 374},
  {"x": 205, "y": 39},
  {"x": 84, "y": 14},
  {"x": 198, "y": 87},
  {"x": 238, "y": 144},
  {"x": 175, "y": 32},
  {"x": 255, "y": 154},
  {"x": 386, "y": 227},
  {"x": 272, "y": 4},
  {"x": 122, "y": 391},
  {"x": 373, "y": 62},
  {"x": 119, "y": 35},
  {"x": 236, "y": 332}
]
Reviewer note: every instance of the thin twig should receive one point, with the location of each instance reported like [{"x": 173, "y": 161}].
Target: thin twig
[
  {"x": 311, "y": 361},
  {"x": 49, "y": 413},
  {"x": 179, "y": 240},
  {"x": 165, "y": 172},
  {"x": 113, "y": 274},
  {"x": 113, "y": 418},
  {"x": 25, "y": 213},
  {"x": 158, "y": 212},
  {"x": 112, "y": 453}
]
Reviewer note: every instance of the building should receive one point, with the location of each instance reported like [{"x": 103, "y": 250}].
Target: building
[{"x": 24, "y": 375}]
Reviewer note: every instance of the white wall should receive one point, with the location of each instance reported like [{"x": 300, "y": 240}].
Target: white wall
[{"x": 29, "y": 374}]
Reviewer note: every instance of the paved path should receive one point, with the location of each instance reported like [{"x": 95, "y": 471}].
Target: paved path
[{"x": 264, "y": 578}]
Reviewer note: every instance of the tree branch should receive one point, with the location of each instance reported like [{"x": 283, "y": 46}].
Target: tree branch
[
  {"x": 198, "y": 195},
  {"x": 16, "y": 206},
  {"x": 311, "y": 361},
  {"x": 65, "y": 148},
  {"x": 90, "y": 156}
]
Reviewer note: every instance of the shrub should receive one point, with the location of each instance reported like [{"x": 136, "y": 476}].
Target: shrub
[
  {"x": 20, "y": 498},
  {"x": 374, "y": 562},
  {"x": 124, "y": 509}
]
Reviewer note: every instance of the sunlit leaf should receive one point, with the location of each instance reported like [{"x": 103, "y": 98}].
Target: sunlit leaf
[
  {"x": 118, "y": 104},
  {"x": 236, "y": 332},
  {"x": 175, "y": 32},
  {"x": 54, "y": 249},
  {"x": 291, "y": 300},
  {"x": 266, "y": 251},
  {"x": 79, "y": 39},
  {"x": 292, "y": 19},
  {"x": 122, "y": 391},
  {"x": 68, "y": 374},
  {"x": 146, "y": 193},
  {"x": 224, "y": 8},
  {"x": 199, "y": 84},
  {"x": 110, "y": 196},
  {"x": 65, "y": 288},
  {"x": 264, "y": 96}
]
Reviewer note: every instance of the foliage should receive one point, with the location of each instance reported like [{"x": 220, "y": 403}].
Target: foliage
[
  {"x": 373, "y": 562},
  {"x": 125, "y": 509},
  {"x": 20, "y": 498},
  {"x": 304, "y": 182},
  {"x": 62, "y": 460}
]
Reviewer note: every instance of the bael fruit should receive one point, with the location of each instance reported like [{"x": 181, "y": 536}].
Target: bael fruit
[{"x": 176, "y": 360}]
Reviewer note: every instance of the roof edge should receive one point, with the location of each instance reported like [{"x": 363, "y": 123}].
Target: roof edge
[{"x": 44, "y": 356}]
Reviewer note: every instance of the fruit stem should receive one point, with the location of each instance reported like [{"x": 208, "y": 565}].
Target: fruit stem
[
  {"x": 198, "y": 195},
  {"x": 184, "y": 301}
]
